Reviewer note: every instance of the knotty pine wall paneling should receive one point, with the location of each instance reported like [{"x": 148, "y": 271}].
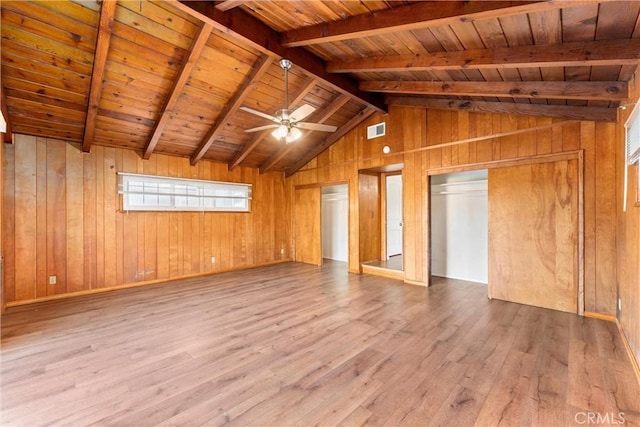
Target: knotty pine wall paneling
[
  {"x": 416, "y": 137},
  {"x": 62, "y": 218}
]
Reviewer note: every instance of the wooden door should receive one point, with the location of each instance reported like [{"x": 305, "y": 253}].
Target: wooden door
[
  {"x": 533, "y": 234},
  {"x": 307, "y": 226}
]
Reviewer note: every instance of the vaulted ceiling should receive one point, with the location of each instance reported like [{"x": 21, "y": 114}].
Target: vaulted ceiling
[{"x": 170, "y": 77}]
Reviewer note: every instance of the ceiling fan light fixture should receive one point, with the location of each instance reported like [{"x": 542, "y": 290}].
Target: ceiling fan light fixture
[
  {"x": 294, "y": 135},
  {"x": 280, "y": 132},
  {"x": 288, "y": 121}
]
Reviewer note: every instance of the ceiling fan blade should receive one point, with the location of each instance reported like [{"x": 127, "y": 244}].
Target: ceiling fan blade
[
  {"x": 265, "y": 127},
  {"x": 301, "y": 112},
  {"x": 316, "y": 126},
  {"x": 260, "y": 113}
]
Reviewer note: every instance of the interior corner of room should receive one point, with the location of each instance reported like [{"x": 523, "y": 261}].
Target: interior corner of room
[{"x": 171, "y": 147}]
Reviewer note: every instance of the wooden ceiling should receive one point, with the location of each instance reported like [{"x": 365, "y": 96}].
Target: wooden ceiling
[{"x": 169, "y": 77}]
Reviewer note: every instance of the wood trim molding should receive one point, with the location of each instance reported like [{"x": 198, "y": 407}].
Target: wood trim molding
[
  {"x": 634, "y": 362},
  {"x": 7, "y": 137},
  {"x": 416, "y": 283},
  {"x": 107, "y": 16},
  {"x": 197, "y": 46},
  {"x": 601, "y": 316},
  {"x": 530, "y": 160},
  {"x": 581, "y": 237},
  {"x": 136, "y": 284},
  {"x": 320, "y": 185}
]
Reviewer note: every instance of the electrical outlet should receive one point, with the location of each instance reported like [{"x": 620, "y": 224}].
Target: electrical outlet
[
  {"x": 213, "y": 260},
  {"x": 53, "y": 280},
  {"x": 282, "y": 251},
  {"x": 619, "y": 304}
]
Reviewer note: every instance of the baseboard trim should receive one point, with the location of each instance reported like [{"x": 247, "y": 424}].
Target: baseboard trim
[
  {"x": 416, "y": 283},
  {"x": 601, "y": 316},
  {"x": 632, "y": 357},
  {"x": 134, "y": 285}
]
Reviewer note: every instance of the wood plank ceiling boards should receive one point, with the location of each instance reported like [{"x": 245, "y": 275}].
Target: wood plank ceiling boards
[{"x": 169, "y": 77}]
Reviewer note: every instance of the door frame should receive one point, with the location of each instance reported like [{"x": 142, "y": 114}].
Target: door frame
[
  {"x": 319, "y": 186},
  {"x": 322, "y": 217},
  {"x": 383, "y": 208},
  {"x": 545, "y": 158}
]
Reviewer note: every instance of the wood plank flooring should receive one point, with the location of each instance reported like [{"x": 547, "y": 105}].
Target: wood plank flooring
[{"x": 293, "y": 344}]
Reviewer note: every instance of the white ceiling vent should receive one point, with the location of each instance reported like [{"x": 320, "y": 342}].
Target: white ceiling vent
[{"x": 375, "y": 131}]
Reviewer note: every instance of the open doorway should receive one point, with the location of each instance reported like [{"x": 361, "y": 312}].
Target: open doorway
[
  {"x": 460, "y": 226},
  {"x": 335, "y": 224},
  {"x": 394, "y": 218},
  {"x": 381, "y": 209}
]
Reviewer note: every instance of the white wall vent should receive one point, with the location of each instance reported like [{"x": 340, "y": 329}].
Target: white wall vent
[{"x": 375, "y": 131}]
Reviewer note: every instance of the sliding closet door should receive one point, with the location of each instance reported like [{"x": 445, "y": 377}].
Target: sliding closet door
[
  {"x": 533, "y": 234},
  {"x": 307, "y": 225}
]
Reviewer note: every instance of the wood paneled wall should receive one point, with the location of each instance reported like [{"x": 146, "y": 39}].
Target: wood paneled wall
[
  {"x": 410, "y": 130},
  {"x": 628, "y": 243},
  {"x": 62, "y": 217}
]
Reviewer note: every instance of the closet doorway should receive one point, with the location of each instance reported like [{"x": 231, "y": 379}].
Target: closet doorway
[
  {"x": 459, "y": 226},
  {"x": 335, "y": 223},
  {"x": 394, "y": 216}
]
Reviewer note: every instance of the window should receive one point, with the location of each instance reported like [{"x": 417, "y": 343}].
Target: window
[
  {"x": 632, "y": 146},
  {"x": 632, "y": 127},
  {"x": 374, "y": 131},
  {"x": 157, "y": 193}
]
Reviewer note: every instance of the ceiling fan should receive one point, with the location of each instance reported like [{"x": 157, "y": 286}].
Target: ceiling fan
[{"x": 288, "y": 123}]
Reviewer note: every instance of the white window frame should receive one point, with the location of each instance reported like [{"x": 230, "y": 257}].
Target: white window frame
[
  {"x": 632, "y": 150},
  {"x": 162, "y": 193},
  {"x": 632, "y": 136}
]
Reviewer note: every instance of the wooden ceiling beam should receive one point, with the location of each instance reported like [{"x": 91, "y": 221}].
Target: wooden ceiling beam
[
  {"x": 259, "y": 69},
  {"x": 575, "y": 54},
  {"x": 410, "y": 17},
  {"x": 197, "y": 46},
  {"x": 107, "y": 16},
  {"x": 225, "y": 5},
  {"x": 597, "y": 114},
  {"x": 7, "y": 136},
  {"x": 332, "y": 139},
  {"x": 260, "y": 36},
  {"x": 297, "y": 97},
  {"x": 582, "y": 90},
  {"x": 320, "y": 117}
]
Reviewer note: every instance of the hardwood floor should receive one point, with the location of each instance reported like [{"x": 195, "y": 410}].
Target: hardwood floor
[{"x": 296, "y": 344}]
